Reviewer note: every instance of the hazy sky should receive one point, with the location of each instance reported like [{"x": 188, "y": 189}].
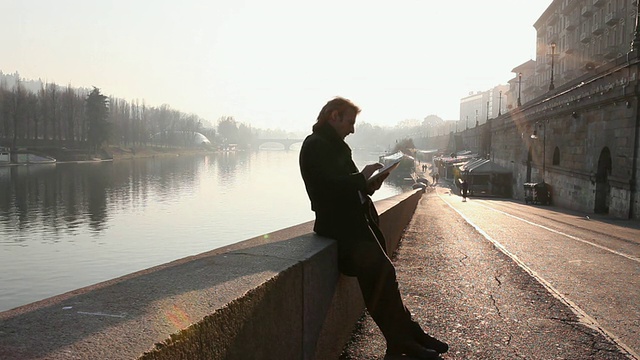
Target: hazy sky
[{"x": 274, "y": 63}]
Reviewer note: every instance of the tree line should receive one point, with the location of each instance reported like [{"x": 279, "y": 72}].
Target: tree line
[
  {"x": 33, "y": 113},
  {"x": 55, "y": 116}
]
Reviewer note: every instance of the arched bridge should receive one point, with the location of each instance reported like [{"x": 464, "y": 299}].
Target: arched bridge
[{"x": 285, "y": 142}]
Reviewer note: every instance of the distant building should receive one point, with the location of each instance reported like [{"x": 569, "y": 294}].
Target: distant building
[
  {"x": 520, "y": 85},
  {"x": 476, "y": 108}
]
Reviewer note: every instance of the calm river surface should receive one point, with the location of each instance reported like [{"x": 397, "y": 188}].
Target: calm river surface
[{"x": 67, "y": 226}]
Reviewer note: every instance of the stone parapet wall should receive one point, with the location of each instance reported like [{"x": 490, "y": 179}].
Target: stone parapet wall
[{"x": 274, "y": 296}]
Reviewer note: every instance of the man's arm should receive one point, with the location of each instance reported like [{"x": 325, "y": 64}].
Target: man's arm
[{"x": 319, "y": 167}]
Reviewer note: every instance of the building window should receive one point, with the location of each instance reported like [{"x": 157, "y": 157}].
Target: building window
[
  {"x": 556, "y": 156},
  {"x": 621, "y": 34}
]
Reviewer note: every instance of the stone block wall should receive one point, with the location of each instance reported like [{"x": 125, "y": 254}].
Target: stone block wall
[
  {"x": 276, "y": 296},
  {"x": 583, "y": 121}
]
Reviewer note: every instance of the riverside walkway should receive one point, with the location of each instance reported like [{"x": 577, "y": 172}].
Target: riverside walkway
[{"x": 466, "y": 291}]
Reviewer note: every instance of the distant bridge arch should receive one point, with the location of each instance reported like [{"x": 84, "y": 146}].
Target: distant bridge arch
[{"x": 285, "y": 142}]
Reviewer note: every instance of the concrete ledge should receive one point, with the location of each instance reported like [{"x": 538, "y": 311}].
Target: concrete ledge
[{"x": 278, "y": 295}]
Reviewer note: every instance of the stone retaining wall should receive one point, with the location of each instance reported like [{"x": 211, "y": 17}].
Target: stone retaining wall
[{"x": 275, "y": 296}]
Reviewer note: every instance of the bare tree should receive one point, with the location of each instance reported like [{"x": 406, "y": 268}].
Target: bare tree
[
  {"x": 5, "y": 120},
  {"x": 67, "y": 112},
  {"x": 18, "y": 111},
  {"x": 32, "y": 115}
]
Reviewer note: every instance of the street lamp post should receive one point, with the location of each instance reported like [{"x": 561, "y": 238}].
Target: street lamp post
[
  {"x": 553, "y": 55},
  {"x": 544, "y": 144},
  {"x": 487, "y": 111},
  {"x": 519, "y": 88},
  {"x": 544, "y": 148},
  {"x": 635, "y": 43},
  {"x": 500, "y": 104}
]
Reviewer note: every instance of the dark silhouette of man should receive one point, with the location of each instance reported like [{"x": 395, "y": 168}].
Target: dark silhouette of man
[
  {"x": 465, "y": 188},
  {"x": 339, "y": 195}
]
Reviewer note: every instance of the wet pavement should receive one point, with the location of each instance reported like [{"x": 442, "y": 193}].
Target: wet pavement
[{"x": 465, "y": 290}]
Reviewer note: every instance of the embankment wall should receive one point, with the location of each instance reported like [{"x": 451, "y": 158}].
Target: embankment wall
[{"x": 274, "y": 296}]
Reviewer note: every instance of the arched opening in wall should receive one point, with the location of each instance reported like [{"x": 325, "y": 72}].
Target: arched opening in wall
[
  {"x": 556, "y": 156},
  {"x": 529, "y": 161},
  {"x": 603, "y": 190}
]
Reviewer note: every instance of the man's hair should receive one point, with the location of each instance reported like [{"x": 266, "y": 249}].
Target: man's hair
[{"x": 340, "y": 104}]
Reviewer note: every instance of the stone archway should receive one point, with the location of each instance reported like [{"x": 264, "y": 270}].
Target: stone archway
[{"x": 603, "y": 190}]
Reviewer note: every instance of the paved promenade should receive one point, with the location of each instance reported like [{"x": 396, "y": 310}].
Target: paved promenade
[{"x": 465, "y": 291}]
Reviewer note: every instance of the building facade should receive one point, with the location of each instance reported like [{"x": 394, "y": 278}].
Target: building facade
[
  {"x": 585, "y": 143},
  {"x": 478, "y": 107},
  {"x": 574, "y": 37},
  {"x": 578, "y": 125}
]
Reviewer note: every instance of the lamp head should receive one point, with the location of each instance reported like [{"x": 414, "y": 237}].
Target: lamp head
[{"x": 534, "y": 135}]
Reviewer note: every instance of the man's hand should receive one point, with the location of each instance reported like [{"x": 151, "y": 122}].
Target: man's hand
[
  {"x": 374, "y": 185},
  {"x": 370, "y": 169}
]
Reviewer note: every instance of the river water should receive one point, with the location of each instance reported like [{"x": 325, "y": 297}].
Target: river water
[{"x": 66, "y": 226}]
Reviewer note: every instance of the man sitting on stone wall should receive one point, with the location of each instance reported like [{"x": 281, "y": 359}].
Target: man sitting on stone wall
[{"x": 339, "y": 195}]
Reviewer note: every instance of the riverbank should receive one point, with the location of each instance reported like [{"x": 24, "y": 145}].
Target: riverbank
[
  {"x": 118, "y": 153},
  {"x": 114, "y": 153}
]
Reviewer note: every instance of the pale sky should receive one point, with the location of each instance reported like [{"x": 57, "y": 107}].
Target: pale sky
[{"x": 274, "y": 63}]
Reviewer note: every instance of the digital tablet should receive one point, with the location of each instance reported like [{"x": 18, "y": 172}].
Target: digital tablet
[{"x": 386, "y": 169}]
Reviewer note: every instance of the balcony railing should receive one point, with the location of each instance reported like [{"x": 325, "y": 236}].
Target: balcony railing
[
  {"x": 611, "y": 18},
  {"x": 586, "y": 11},
  {"x": 598, "y": 3},
  {"x": 597, "y": 28},
  {"x": 585, "y": 37},
  {"x": 569, "y": 8}
]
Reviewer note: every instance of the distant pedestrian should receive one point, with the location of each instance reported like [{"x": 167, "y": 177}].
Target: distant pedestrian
[
  {"x": 464, "y": 186},
  {"x": 437, "y": 177}
]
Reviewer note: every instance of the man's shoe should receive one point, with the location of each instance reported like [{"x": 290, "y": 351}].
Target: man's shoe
[
  {"x": 428, "y": 341},
  {"x": 411, "y": 349}
]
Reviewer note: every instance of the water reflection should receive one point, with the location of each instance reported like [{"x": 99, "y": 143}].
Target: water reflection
[
  {"x": 67, "y": 197},
  {"x": 44, "y": 196}
]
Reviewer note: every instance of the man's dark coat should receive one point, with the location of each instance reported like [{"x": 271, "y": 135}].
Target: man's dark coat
[{"x": 338, "y": 193}]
